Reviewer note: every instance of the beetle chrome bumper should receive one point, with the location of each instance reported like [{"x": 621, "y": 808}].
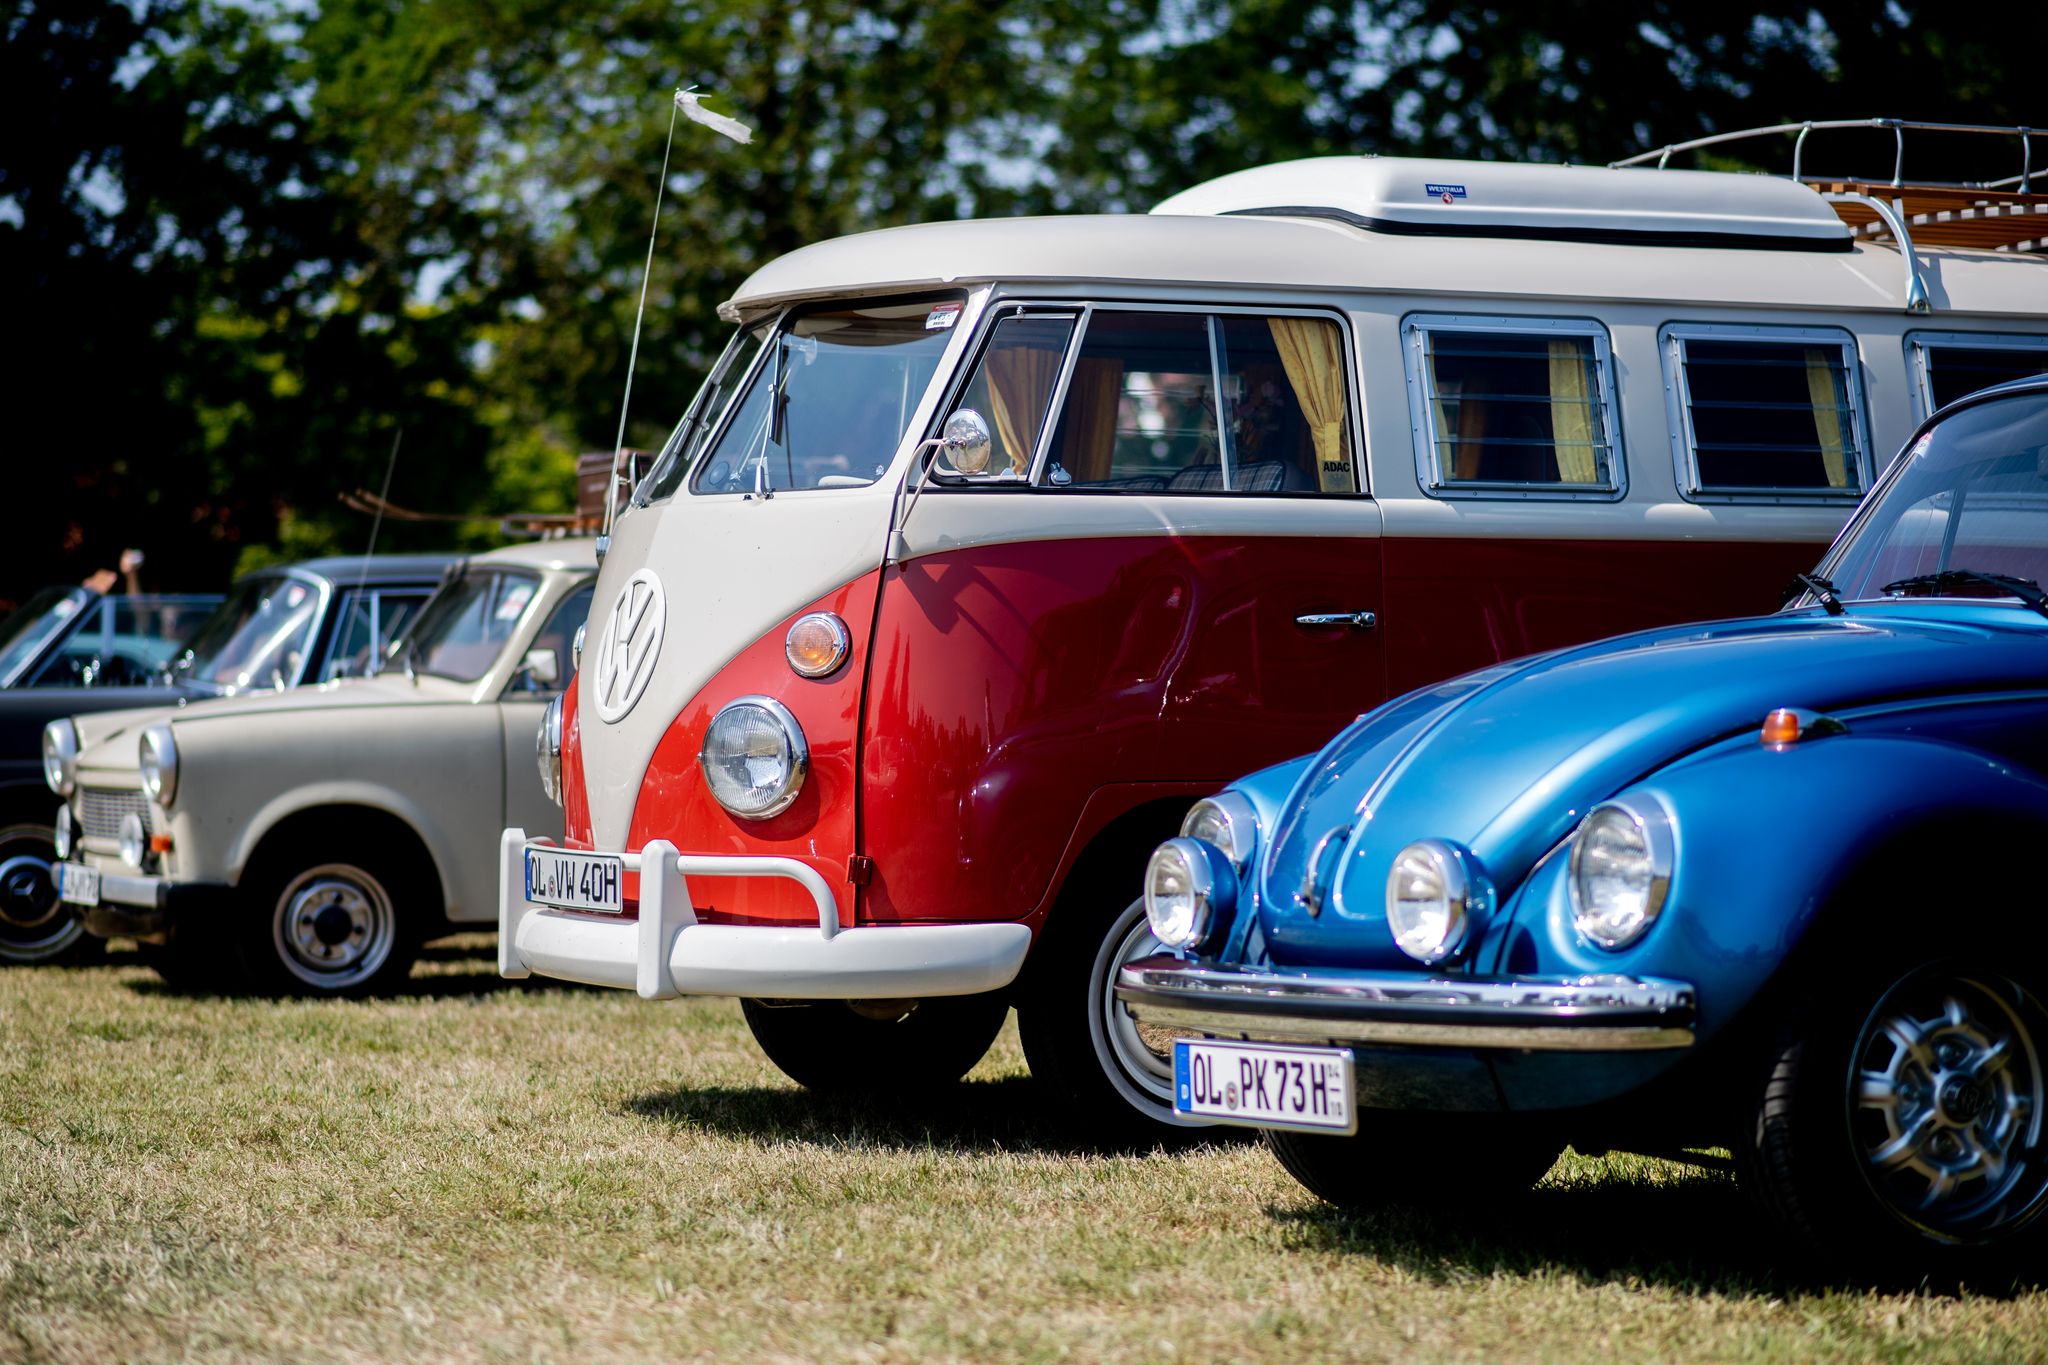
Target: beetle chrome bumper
[
  {"x": 1530, "y": 1013},
  {"x": 666, "y": 952}
]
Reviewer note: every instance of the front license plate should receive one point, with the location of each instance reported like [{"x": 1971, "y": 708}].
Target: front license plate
[
  {"x": 1260, "y": 1085},
  {"x": 78, "y": 884},
  {"x": 574, "y": 881}
]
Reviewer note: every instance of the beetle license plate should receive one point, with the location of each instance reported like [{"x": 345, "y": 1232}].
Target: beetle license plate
[
  {"x": 1262, "y": 1085},
  {"x": 78, "y": 884},
  {"x": 569, "y": 880}
]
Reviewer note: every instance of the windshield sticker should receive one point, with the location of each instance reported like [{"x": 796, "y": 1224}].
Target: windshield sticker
[
  {"x": 515, "y": 602},
  {"x": 1447, "y": 193},
  {"x": 942, "y": 317},
  {"x": 1920, "y": 446}
]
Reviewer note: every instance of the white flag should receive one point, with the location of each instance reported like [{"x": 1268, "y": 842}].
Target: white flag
[{"x": 694, "y": 110}]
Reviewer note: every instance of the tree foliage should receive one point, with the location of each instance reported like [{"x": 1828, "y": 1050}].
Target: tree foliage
[{"x": 249, "y": 243}]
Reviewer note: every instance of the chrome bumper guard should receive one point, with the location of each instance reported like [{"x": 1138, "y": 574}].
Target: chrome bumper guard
[
  {"x": 666, "y": 952},
  {"x": 1530, "y": 1013}
]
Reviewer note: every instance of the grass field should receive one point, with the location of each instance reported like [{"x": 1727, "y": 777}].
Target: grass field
[{"x": 483, "y": 1171}]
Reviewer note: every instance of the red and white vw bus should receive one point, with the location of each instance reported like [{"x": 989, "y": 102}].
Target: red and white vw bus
[{"x": 988, "y": 547}]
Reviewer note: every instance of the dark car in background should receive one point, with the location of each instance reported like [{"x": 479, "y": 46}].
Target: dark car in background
[
  {"x": 69, "y": 636},
  {"x": 303, "y": 623}
]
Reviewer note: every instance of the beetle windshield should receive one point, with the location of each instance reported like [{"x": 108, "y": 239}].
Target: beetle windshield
[
  {"x": 31, "y": 628},
  {"x": 464, "y": 628},
  {"x": 828, "y": 400},
  {"x": 257, "y": 640},
  {"x": 1964, "y": 508}
]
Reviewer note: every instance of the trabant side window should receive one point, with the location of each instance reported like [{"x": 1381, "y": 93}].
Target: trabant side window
[
  {"x": 1948, "y": 365},
  {"x": 1765, "y": 412},
  {"x": 1193, "y": 402},
  {"x": 1512, "y": 406},
  {"x": 557, "y": 637},
  {"x": 829, "y": 401}
]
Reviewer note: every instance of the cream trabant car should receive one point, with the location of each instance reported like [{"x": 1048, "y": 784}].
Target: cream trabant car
[{"x": 310, "y": 841}]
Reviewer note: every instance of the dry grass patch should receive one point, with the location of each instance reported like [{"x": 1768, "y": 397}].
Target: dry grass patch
[{"x": 476, "y": 1170}]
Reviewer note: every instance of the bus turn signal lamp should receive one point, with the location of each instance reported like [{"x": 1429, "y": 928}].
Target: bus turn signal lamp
[
  {"x": 817, "y": 644},
  {"x": 1789, "y": 724}
]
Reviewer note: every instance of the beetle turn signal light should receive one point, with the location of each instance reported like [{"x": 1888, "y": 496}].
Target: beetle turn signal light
[
  {"x": 1781, "y": 727},
  {"x": 1789, "y": 724}
]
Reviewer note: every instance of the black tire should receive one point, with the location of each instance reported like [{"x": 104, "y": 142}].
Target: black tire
[
  {"x": 36, "y": 929},
  {"x": 316, "y": 922},
  {"x": 1479, "y": 1160},
  {"x": 1896, "y": 1123},
  {"x": 1082, "y": 1044},
  {"x": 858, "y": 1047}
]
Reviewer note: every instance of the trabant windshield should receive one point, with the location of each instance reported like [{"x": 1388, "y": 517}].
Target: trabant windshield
[
  {"x": 826, "y": 404},
  {"x": 256, "y": 640},
  {"x": 1970, "y": 498},
  {"x": 464, "y": 628},
  {"x": 33, "y": 625}
]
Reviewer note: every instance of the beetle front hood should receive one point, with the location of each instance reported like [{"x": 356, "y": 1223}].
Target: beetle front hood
[{"x": 1508, "y": 761}]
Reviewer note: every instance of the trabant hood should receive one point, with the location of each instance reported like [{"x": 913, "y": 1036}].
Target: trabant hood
[
  {"x": 1506, "y": 762},
  {"x": 107, "y": 739}
]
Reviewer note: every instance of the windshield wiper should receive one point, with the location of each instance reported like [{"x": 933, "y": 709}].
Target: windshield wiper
[
  {"x": 1823, "y": 591},
  {"x": 2026, "y": 589}
]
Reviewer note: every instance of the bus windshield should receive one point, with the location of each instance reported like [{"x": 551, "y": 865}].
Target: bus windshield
[{"x": 829, "y": 399}]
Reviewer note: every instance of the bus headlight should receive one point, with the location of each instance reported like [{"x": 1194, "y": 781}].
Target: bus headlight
[
  {"x": 754, "y": 757},
  {"x": 60, "y": 755},
  {"x": 547, "y": 744},
  {"x": 1620, "y": 871},
  {"x": 1190, "y": 888},
  {"x": 159, "y": 759}
]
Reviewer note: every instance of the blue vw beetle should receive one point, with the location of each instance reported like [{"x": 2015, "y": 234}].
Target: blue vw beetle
[{"x": 1758, "y": 884}]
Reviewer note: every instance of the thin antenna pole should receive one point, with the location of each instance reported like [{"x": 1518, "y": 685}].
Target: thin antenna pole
[
  {"x": 377, "y": 520},
  {"x": 611, "y": 488}
]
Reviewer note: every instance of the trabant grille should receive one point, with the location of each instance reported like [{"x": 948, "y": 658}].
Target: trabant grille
[{"x": 101, "y": 811}]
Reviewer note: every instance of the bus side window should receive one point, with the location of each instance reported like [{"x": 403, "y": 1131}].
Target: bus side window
[{"x": 1012, "y": 386}]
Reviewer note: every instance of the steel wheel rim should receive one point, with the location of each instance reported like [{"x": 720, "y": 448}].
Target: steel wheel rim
[
  {"x": 33, "y": 922},
  {"x": 333, "y": 926},
  {"x": 1141, "y": 1072},
  {"x": 1947, "y": 1096}
]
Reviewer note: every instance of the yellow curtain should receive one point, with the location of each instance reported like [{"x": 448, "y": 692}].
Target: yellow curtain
[
  {"x": 1020, "y": 380},
  {"x": 1312, "y": 353},
  {"x": 1827, "y": 416},
  {"x": 1087, "y": 448},
  {"x": 1460, "y": 445},
  {"x": 1571, "y": 415}
]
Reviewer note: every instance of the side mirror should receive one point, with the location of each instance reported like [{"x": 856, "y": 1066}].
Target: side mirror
[
  {"x": 542, "y": 666},
  {"x": 966, "y": 443}
]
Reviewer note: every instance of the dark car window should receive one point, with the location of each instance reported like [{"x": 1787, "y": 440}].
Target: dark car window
[
  {"x": 29, "y": 629},
  {"x": 559, "y": 636}
]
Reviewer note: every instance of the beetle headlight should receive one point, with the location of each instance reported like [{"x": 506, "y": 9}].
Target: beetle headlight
[
  {"x": 1190, "y": 888},
  {"x": 547, "y": 744},
  {"x": 1434, "y": 893},
  {"x": 134, "y": 840},
  {"x": 1228, "y": 821},
  {"x": 159, "y": 758},
  {"x": 754, "y": 757},
  {"x": 1620, "y": 871},
  {"x": 60, "y": 755}
]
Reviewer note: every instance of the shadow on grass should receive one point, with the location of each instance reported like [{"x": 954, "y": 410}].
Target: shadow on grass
[
  {"x": 443, "y": 971},
  {"x": 1007, "y": 1115}
]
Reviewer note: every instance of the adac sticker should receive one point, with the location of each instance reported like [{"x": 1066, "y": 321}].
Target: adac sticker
[
  {"x": 1447, "y": 193},
  {"x": 942, "y": 317}
]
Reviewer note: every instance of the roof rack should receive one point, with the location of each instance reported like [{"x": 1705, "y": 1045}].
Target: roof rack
[{"x": 1997, "y": 215}]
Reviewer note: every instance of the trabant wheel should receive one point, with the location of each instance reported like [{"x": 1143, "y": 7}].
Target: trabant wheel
[
  {"x": 891, "y": 1047},
  {"x": 1902, "y": 1132},
  {"x": 1478, "y": 1159},
  {"x": 1082, "y": 1042},
  {"x": 328, "y": 929},
  {"x": 35, "y": 927}
]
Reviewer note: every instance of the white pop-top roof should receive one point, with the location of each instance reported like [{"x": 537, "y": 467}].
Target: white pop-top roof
[{"x": 1495, "y": 198}]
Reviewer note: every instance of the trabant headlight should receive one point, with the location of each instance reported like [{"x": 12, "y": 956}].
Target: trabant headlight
[
  {"x": 1228, "y": 821},
  {"x": 754, "y": 757},
  {"x": 1435, "y": 891},
  {"x": 547, "y": 744},
  {"x": 158, "y": 754},
  {"x": 60, "y": 755},
  {"x": 60, "y": 839},
  {"x": 1190, "y": 888},
  {"x": 134, "y": 840},
  {"x": 1620, "y": 871}
]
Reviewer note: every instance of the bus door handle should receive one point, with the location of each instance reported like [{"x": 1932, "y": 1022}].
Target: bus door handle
[{"x": 1356, "y": 620}]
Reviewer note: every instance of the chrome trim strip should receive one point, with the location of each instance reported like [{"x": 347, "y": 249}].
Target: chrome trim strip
[{"x": 1606, "y": 1013}]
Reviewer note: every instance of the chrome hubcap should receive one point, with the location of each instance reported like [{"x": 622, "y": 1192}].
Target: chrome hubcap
[
  {"x": 27, "y": 898},
  {"x": 1947, "y": 1095},
  {"x": 1138, "y": 1058},
  {"x": 34, "y": 924},
  {"x": 334, "y": 926}
]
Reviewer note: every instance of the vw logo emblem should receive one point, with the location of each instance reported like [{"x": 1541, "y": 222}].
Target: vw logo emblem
[{"x": 626, "y": 651}]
